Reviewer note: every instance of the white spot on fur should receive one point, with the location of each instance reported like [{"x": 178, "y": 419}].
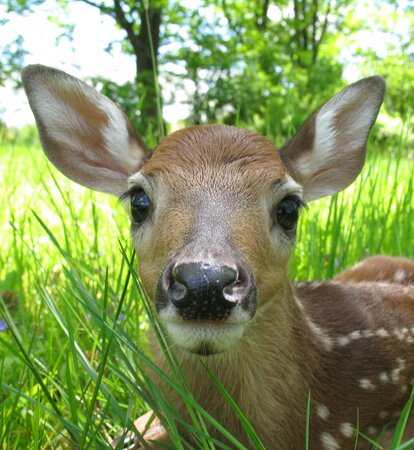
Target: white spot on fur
[
  {"x": 322, "y": 411},
  {"x": 400, "y": 275},
  {"x": 400, "y": 362},
  {"x": 368, "y": 334},
  {"x": 329, "y": 442},
  {"x": 400, "y": 334},
  {"x": 318, "y": 332},
  {"x": 346, "y": 429},
  {"x": 395, "y": 375},
  {"x": 366, "y": 384},
  {"x": 355, "y": 335},
  {"x": 384, "y": 377},
  {"x": 382, "y": 332},
  {"x": 343, "y": 341}
]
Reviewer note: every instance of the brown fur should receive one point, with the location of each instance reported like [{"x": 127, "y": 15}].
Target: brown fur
[{"x": 381, "y": 268}]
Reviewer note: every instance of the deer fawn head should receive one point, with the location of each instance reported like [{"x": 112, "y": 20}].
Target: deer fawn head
[{"x": 214, "y": 208}]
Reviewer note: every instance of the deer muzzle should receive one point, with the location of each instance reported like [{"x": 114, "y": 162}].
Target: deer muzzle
[{"x": 209, "y": 299}]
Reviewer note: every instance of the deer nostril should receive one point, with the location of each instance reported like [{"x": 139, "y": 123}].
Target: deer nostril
[
  {"x": 228, "y": 276},
  {"x": 235, "y": 291},
  {"x": 177, "y": 290}
]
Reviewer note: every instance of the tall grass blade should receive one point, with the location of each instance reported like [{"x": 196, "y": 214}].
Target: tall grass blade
[{"x": 402, "y": 422}]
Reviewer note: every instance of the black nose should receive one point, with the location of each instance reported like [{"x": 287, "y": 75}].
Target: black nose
[{"x": 203, "y": 290}]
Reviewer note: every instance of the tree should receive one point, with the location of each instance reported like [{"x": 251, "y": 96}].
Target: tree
[
  {"x": 141, "y": 21},
  {"x": 12, "y": 59},
  {"x": 249, "y": 61},
  {"x": 394, "y": 22},
  {"x": 12, "y": 53},
  {"x": 262, "y": 63}
]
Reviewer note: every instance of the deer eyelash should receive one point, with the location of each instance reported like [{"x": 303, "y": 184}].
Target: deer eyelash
[{"x": 126, "y": 195}]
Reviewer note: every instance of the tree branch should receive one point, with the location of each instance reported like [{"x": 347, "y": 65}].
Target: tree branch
[
  {"x": 315, "y": 7},
  {"x": 323, "y": 30},
  {"x": 230, "y": 22},
  {"x": 127, "y": 26},
  {"x": 104, "y": 9},
  {"x": 261, "y": 21}
]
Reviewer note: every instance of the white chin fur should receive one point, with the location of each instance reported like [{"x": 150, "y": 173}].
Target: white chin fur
[{"x": 204, "y": 339}]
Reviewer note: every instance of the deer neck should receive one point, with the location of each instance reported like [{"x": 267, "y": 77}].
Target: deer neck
[{"x": 269, "y": 370}]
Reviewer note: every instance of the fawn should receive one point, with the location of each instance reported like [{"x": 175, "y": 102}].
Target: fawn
[{"x": 214, "y": 211}]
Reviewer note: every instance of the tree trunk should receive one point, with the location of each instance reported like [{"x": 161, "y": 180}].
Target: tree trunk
[
  {"x": 146, "y": 54},
  {"x": 145, "y": 41}
]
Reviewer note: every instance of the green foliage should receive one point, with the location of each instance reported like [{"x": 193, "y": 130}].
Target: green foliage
[
  {"x": 244, "y": 65},
  {"x": 26, "y": 136},
  {"x": 402, "y": 423},
  {"x": 394, "y": 24},
  {"x": 398, "y": 70},
  {"x": 11, "y": 62},
  {"x": 258, "y": 63}
]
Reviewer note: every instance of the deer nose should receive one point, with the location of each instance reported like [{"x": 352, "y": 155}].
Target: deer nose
[{"x": 205, "y": 290}]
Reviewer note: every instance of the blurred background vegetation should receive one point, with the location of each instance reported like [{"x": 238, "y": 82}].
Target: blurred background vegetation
[{"x": 257, "y": 63}]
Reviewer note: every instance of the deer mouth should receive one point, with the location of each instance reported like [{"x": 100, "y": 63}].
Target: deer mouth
[{"x": 204, "y": 339}]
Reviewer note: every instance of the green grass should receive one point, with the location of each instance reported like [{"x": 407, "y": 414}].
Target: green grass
[
  {"x": 74, "y": 368},
  {"x": 375, "y": 215}
]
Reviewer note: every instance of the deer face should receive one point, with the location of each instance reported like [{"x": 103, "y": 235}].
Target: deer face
[
  {"x": 214, "y": 208},
  {"x": 189, "y": 204}
]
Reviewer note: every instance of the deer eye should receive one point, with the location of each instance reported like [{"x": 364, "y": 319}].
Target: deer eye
[
  {"x": 140, "y": 206},
  {"x": 287, "y": 212}
]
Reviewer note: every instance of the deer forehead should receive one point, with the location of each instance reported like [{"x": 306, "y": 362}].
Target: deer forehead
[{"x": 207, "y": 160}]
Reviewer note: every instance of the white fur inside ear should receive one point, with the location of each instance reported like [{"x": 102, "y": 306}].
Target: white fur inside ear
[
  {"x": 336, "y": 125},
  {"x": 83, "y": 133},
  {"x": 347, "y": 117},
  {"x": 117, "y": 138},
  {"x": 341, "y": 131},
  {"x": 324, "y": 144},
  {"x": 61, "y": 117}
]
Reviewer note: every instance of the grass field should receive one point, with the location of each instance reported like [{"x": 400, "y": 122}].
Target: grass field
[{"x": 73, "y": 330}]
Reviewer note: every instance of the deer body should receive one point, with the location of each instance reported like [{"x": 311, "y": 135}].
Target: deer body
[
  {"x": 214, "y": 213},
  {"x": 271, "y": 382}
]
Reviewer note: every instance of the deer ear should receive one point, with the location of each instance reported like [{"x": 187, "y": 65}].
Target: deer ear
[
  {"x": 83, "y": 133},
  {"x": 328, "y": 151}
]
